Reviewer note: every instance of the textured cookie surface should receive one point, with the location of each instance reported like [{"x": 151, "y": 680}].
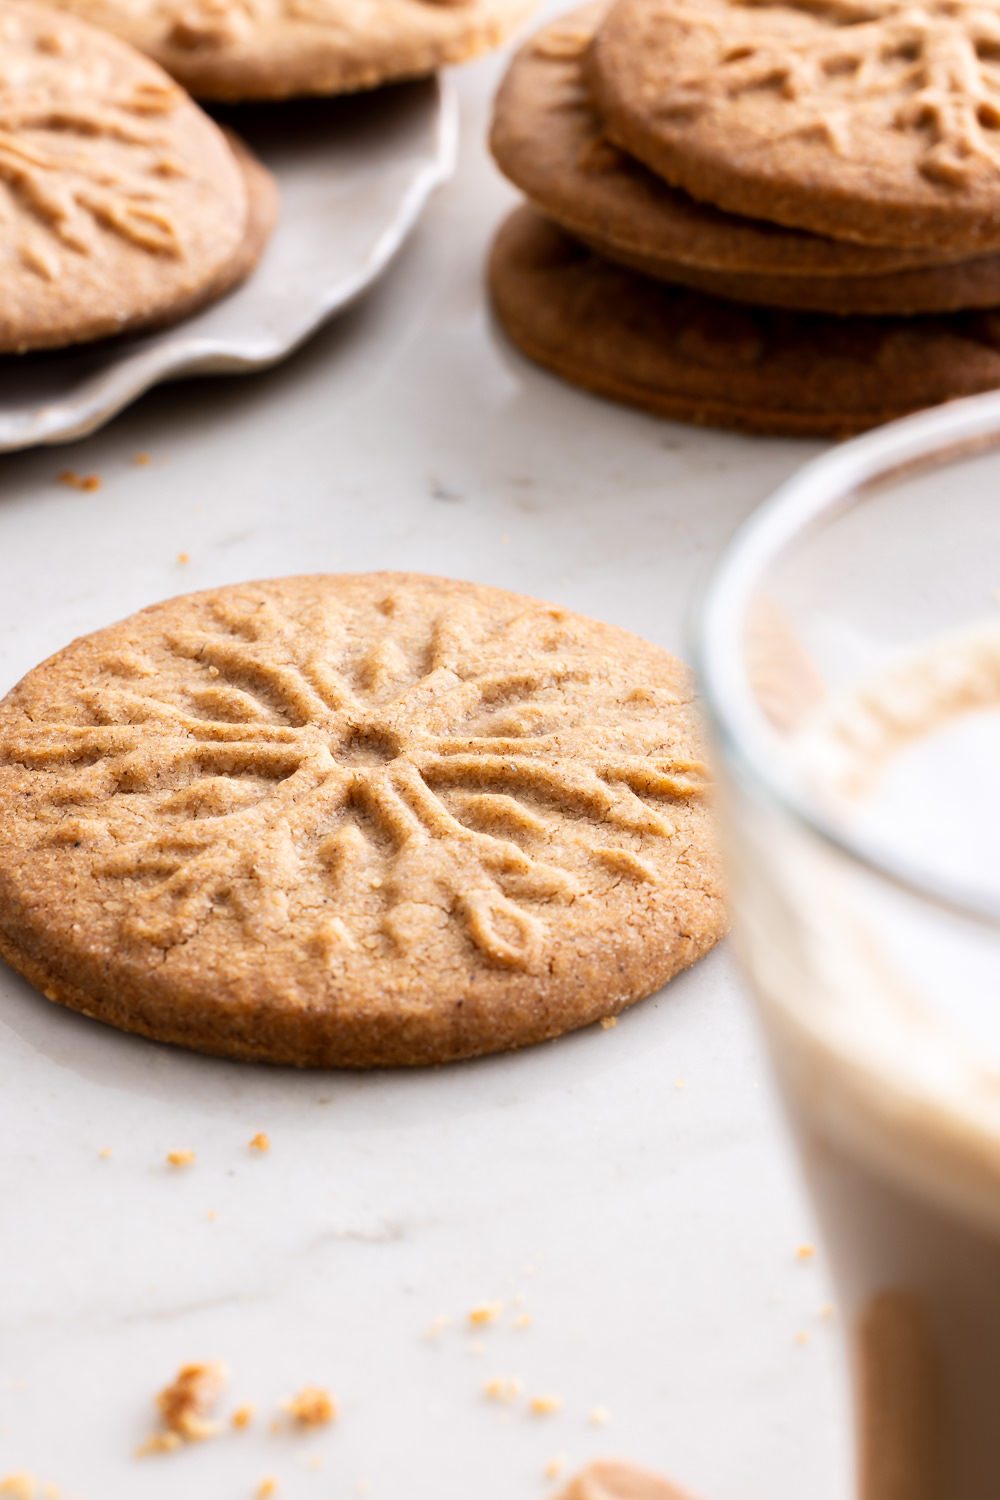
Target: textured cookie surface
[
  {"x": 548, "y": 138},
  {"x": 354, "y": 820},
  {"x": 275, "y": 49},
  {"x": 876, "y": 121},
  {"x": 681, "y": 353},
  {"x": 120, "y": 200}
]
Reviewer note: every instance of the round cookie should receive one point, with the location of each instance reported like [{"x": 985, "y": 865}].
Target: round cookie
[
  {"x": 875, "y": 123},
  {"x": 548, "y": 139},
  {"x": 276, "y": 49},
  {"x": 360, "y": 820},
  {"x": 121, "y": 201},
  {"x": 682, "y": 354}
]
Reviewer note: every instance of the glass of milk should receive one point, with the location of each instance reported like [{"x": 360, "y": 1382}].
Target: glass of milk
[{"x": 849, "y": 654}]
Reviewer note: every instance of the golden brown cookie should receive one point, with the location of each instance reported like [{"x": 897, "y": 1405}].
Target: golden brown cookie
[
  {"x": 121, "y": 201},
  {"x": 682, "y": 354},
  {"x": 360, "y": 820},
  {"x": 548, "y": 138},
  {"x": 876, "y": 122},
  {"x": 275, "y": 49}
]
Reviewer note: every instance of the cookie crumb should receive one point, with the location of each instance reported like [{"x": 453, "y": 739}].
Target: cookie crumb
[
  {"x": 183, "y": 557},
  {"x": 80, "y": 481},
  {"x": 546, "y": 1406},
  {"x": 828, "y": 1310},
  {"x": 51, "y": 1492},
  {"x": 805, "y": 1252},
  {"x": 142, "y": 459},
  {"x": 242, "y": 1417},
  {"x": 266, "y": 1489},
  {"x": 679, "y": 1084},
  {"x": 159, "y": 1442},
  {"x": 260, "y": 1142},
  {"x": 607, "y": 1022},
  {"x": 801, "y": 1338},
  {"x": 437, "y": 1325},
  {"x": 504, "y": 1387},
  {"x": 19, "y": 1484},
  {"x": 180, "y": 1158},
  {"x": 555, "y": 1466},
  {"x": 523, "y": 1320},
  {"x": 184, "y": 1403},
  {"x": 211, "y": 1214},
  {"x": 599, "y": 1416},
  {"x": 312, "y": 1407},
  {"x": 106, "y": 1154},
  {"x": 485, "y": 1312}
]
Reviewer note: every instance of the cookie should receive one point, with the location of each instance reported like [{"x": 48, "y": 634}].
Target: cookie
[
  {"x": 549, "y": 140},
  {"x": 121, "y": 201},
  {"x": 680, "y": 353},
  {"x": 361, "y": 820},
  {"x": 873, "y": 123},
  {"x": 276, "y": 49}
]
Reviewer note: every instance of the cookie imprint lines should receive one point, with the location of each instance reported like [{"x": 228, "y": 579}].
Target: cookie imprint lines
[
  {"x": 51, "y": 167},
  {"x": 296, "y": 771},
  {"x": 206, "y": 25},
  {"x": 943, "y": 57}
]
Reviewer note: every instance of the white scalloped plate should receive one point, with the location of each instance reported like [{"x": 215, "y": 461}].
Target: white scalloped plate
[{"x": 354, "y": 175}]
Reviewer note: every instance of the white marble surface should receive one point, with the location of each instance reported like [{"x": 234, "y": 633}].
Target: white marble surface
[{"x": 661, "y": 1222}]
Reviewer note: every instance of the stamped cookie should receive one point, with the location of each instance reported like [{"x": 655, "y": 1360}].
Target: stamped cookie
[
  {"x": 877, "y": 122},
  {"x": 276, "y": 49},
  {"x": 548, "y": 138},
  {"x": 360, "y": 820},
  {"x": 680, "y": 353},
  {"x": 121, "y": 201}
]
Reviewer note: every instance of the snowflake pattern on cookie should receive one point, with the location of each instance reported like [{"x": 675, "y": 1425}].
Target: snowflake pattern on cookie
[{"x": 286, "y": 756}]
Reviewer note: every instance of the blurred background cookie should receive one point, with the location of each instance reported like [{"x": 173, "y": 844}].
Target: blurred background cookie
[
  {"x": 876, "y": 124},
  {"x": 124, "y": 205},
  {"x": 276, "y": 49}
]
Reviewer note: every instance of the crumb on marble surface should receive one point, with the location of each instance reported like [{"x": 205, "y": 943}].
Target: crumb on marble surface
[
  {"x": 599, "y": 1416},
  {"x": 437, "y": 1325},
  {"x": 106, "y": 1154},
  {"x": 608, "y": 1021},
  {"x": 77, "y": 481},
  {"x": 801, "y": 1338},
  {"x": 142, "y": 459},
  {"x": 20, "y": 1484},
  {"x": 159, "y": 1442},
  {"x": 181, "y": 1158},
  {"x": 546, "y": 1406},
  {"x": 503, "y": 1387},
  {"x": 484, "y": 1312},
  {"x": 185, "y": 1403},
  {"x": 805, "y": 1252},
  {"x": 261, "y": 1142},
  {"x": 266, "y": 1489},
  {"x": 183, "y": 557},
  {"x": 555, "y": 1466},
  {"x": 523, "y": 1320},
  {"x": 314, "y": 1406},
  {"x": 242, "y": 1416}
]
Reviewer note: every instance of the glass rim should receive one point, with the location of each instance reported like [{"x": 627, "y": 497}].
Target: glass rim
[{"x": 836, "y": 481}]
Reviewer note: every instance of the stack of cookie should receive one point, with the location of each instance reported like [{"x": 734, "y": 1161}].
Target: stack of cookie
[{"x": 777, "y": 217}]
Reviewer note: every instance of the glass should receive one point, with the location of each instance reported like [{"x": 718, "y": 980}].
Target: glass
[{"x": 849, "y": 653}]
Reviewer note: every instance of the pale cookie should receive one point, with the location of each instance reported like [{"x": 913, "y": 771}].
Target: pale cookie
[
  {"x": 548, "y": 138},
  {"x": 680, "y": 353},
  {"x": 275, "y": 49},
  {"x": 613, "y": 1479},
  {"x": 877, "y": 121},
  {"x": 359, "y": 820},
  {"x": 121, "y": 202}
]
